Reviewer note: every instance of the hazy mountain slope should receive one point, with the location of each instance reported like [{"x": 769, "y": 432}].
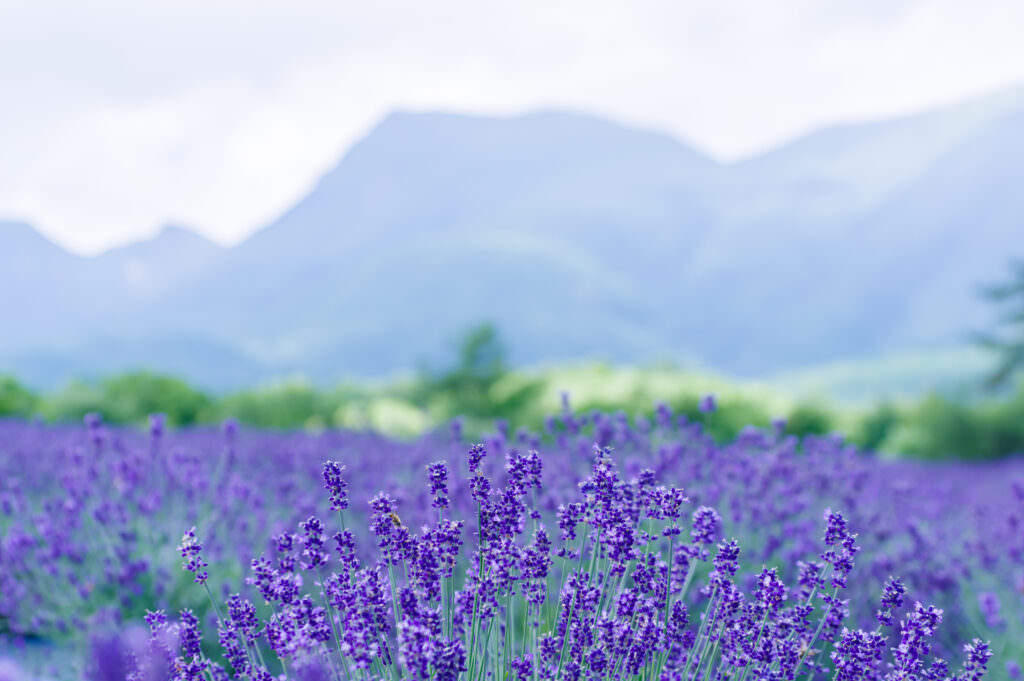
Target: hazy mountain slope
[
  {"x": 901, "y": 273},
  {"x": 846, "y": 169},
  {"x": 579, "y": 237},
  {"x": 39, "y": 295},
  {"x": 458, "y": 218},
  {"x": 935, "y": 244},
  {"x": 196, "y": 360},
  {"x": 150, "y": 267},
  {"x": 55, "y": 300}
]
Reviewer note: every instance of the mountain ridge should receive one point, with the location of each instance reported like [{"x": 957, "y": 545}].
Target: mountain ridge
[{"x": 580, "y": 238}]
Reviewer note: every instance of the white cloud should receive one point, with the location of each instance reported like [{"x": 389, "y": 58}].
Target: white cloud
[{"x": 118, "y": 116}]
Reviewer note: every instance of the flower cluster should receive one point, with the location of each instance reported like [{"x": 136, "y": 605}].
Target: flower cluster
[
  {"x": 652, "y": 551},
  {"x": 191, "y": 551},
  {"x": 335, "y": 484},
  {"x": 623, "y": 606}
]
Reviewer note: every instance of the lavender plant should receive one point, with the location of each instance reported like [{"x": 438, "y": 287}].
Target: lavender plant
[
  {"x": 492, "y": 595},
  {"x": 91, "y": 518}
]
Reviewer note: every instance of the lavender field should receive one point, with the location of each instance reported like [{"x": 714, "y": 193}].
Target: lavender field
[
  {"x": 512, "y": 341},
  {"x": 602, "y": 548}
]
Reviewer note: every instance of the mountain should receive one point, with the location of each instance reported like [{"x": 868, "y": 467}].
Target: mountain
[
  {"x": 579, "y": 237},
  {"x": 541, "y": 200},
  {"x": 56, "y": 302},
  {"x": 151, "y": 267},
  {"x": 38, "y": 288},
  {"x": 847, "y": 169}
]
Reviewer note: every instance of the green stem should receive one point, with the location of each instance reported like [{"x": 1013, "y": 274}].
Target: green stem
[
  {"x": 395, "y": 663},
  {"x": 476, "y": 596},
  {"x": 708, "y": 614},
  {"x": 572, "y": 608},
  {"x": 330, "y": 616},
  {"x": 817, "y": 631},
  {"x": 757, "y": 640},
  {"x": 668, "y": 587},
  {"x": 507, "y": 653}
]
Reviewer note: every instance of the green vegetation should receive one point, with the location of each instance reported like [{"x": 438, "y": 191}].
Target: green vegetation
[
  {"x": 128, "y": 398},
  {"x": 878, "y": 425},
  {"x": 807, "y": 419},
  {"x": 1007, "y": 342},
  {"x": 16, "y": 399},
  {"x": 480, "y": 387},
  {"x": 938, "y": 427}
]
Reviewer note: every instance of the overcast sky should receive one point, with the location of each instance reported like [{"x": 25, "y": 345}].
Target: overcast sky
[{"x": 119, "y": 116}]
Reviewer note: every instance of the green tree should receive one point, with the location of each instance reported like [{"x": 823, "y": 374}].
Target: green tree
[
  {"x": 1005, "y": 425},
  {"x": 877, "y": 426},
  {"x": 466, "y": 387},
  {"x": 289, "y": 404},
  {"x": 478, "y": 385},
  {"x": 946, "y": 428},
  {"x": 808, "y": 419},
  {"x": 16, "y": 399},
  {"x": 73, "y": 401},
  {"x": 1007, "y": 342},
  {"x": 481, "y": 357},
  {"x": 130, "y": 398}
]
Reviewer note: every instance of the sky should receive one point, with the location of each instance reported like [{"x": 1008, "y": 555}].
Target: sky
[{"x": 117, "y": 117}]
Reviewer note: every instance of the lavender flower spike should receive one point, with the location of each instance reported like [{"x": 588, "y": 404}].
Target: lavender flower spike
[
  {"x": 708, "y": 404},
  {"x": 191, "y": 551},
  {"x": 336, "y": 485}
]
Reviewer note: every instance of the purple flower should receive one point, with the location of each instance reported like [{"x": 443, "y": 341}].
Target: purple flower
[
  {"x": 988, "y": 602},
  {"x": 392, "y": 536},
  {"x": 628, "y": 599},
  {"x": 111, "y": 659},
  {"x": 809, "y": 576},
  {"x": 156, "y": 424},
  {"x": 191, "y": 639},
  {"x": 916, "y": 631},
  {"x": 437, "y": 473},
  {"x": 663, "y": 415},
  {"x": 191, "y": 551},
  {"x": 569, "y": 516},
  {"x": 726, "y": 562},
  {"x": 706, "y": 523},
  {"x": 476, "y": 455},
  {"x": 892, "y": 599},
  {"x": 155, "y": 619},
  {"x": 976, "y": 656},
  {"x": 450, "y": 660},
  {"x": 708, "y": 404},
  {"x": 345, "y": 545},
  {"x": 313, "y": 553},
  {"x": 480, "y": 488},
  {"x": 858, "y": 656},
  {"x": 522, "y": 667},
  {"x": 841, "y": 549},
  {"x": 263, "y": 578},
  {"x": 770, "y": 590},
  {"x": 285, "y": 545},
  {"x": 416, "y": 649},
  {"x": 336, "y": 485}
]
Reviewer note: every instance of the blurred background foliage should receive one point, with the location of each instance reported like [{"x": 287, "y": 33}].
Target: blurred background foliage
[{"x": 479, "y": 387}]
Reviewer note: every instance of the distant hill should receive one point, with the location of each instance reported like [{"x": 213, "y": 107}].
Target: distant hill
[{"x": 577, "y": 236}]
